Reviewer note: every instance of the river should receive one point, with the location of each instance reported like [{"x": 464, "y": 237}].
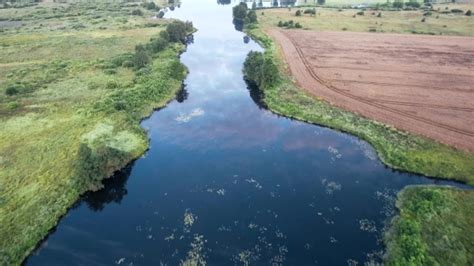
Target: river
[{"x": 227, "y": 182}]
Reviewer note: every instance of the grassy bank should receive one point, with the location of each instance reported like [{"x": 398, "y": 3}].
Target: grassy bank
[
  {"x": 74, "y": 84},
  {"x": 434, "y": 227},
  {"x": 439, "y": 21},
  {"x": 397, "y": 149}
]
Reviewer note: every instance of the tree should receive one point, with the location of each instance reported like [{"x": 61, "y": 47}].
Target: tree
[
  {"x": 141, "y": 57},
  {"x": 11, "y": 91},
  {"x": 240, "y": 11},
  {"x": 137, "y": 12},
  {"x": 252, "y": 17},
  {"x": 254, "y": 5},
  {"x": 178, "y": 30},
  {"x": 275, "y": 3}
]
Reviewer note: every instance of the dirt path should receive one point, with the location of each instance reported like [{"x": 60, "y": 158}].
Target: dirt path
[{"x": 422, "y": 84}]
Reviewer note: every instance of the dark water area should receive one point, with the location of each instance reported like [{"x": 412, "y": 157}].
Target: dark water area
[{"x": 227, "y": 182}]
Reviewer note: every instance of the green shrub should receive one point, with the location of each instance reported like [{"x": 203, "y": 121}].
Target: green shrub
[
  {"x": 298, "y": 13},
  {"x": 311, "y": 11},
  {"x": 150, "y": 5},
  {"x": 137, "y": 12},
  {"x": 260, "y": 70},
  {"x": 239, "y": 11},
  {"x": 178, "y": 30},
  {"x": 158, "y": 44},
  {"x": 455, "y": 10},
  {"x": 128, "y": 64},
  {"x": 298, "y": 25},
  {"x": 468, "y": 13},
  {"x": 142, "y": 57},
  {"x": 251, "y": 17},
  {"x": 360, "y": 13},
  {"x": 12, "y": 90},
  {"x": 397, "y": 4},
  {"x": 413, "y": 4}
]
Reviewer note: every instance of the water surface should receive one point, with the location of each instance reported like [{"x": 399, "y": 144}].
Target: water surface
[{"x": 226, "y": 182}]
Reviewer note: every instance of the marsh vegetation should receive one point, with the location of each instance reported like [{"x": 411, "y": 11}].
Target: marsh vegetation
[{"x": 75, "y": 80}]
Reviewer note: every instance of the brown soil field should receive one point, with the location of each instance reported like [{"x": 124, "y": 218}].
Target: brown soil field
[{"x": 421, "y": 84}]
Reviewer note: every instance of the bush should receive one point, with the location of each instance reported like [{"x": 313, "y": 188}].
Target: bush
[
  {"x": 260, "y": 70},
  {"x": 239, "y": 11},
  {"x": 457, "y": 10},
  {"x": 298, "y": 13},
  {"x": 311, "y": 11},
  {"x": 468, "y": 13},
  {"x": 423, "y": 19},
  {"x": 413, "y": 4},
  {"x": 178, "y": 30},
  {"x": 280, "y": 24},
  {"x": 360, "y": 13},
  {"x": 137, "y": 12},
  {"x": 251, "y": 17},
  {"x": 158, "y": 44},
  {"x": 379, "y": 15},
  {"x": 150, "y": 5},
  {"x": 128, "y": 63},
  {"x": 141, "y": 57},
  {"x": 397, "y": 4},
  {"x": 12, "y": 90},
  {"x": 298, "y": 25}
]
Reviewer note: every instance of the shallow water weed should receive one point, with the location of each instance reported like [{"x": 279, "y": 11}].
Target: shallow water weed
[{"x": 188, "y": 220}]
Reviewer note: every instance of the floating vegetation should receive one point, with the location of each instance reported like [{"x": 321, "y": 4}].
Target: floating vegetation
[
  {"x": 280, "y": 258},
  {"x": 279, "y": 234},
  {"x": 331, "y": 186},
  {"x": 221, "y": 192},
  {"x": 367, "y": 225},
  {"x": 335, "y": 152},
  {"x": 170, "y": 237},
  {"x": 253, "y": 181},
  {"x": 185, "y": 118},
  {"x": 253, "y": 226},
  {"x": 352, "y": 262},
  {"x": 196, "y": 256},
  {"x": 223, "y": 228},
  {"x": 189, "y": 219},
  {"x": 388, "y": 197},
  {"x": 120, "y": 261}
]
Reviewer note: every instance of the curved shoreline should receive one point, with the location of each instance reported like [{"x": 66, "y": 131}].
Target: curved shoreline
[{"x": 397, "y": 149}]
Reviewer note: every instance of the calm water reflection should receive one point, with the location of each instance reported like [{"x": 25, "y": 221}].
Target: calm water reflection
[{"x": 227, "y": 182}]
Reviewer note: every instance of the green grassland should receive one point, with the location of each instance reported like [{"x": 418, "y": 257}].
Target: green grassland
[
  {"x": 71, "y": 98},
  {"x": 436, "y": 22},
  {"x": 434, "y": 227}
]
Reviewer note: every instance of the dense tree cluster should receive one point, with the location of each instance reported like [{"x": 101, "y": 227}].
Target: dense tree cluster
[
  {"x": 260, "y": 70},
  {"x": 242, "y": 14},
  {"x": 177, "y": 31}
]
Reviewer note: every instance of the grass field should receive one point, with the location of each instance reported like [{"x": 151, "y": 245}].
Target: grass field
[
  {"x": 333, "y": 19},
  {"x": 70, "y": 105},
  {"x": 434, "y": 227}
]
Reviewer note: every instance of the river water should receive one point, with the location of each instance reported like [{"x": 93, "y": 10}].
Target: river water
[{"x": 226, "y": 182}]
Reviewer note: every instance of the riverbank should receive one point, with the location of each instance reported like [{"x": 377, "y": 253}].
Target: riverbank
[
  {"x": 75, "y": 82},
  {"x": 397, "y": 149},
  {"x": 434, "y": 227}
]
